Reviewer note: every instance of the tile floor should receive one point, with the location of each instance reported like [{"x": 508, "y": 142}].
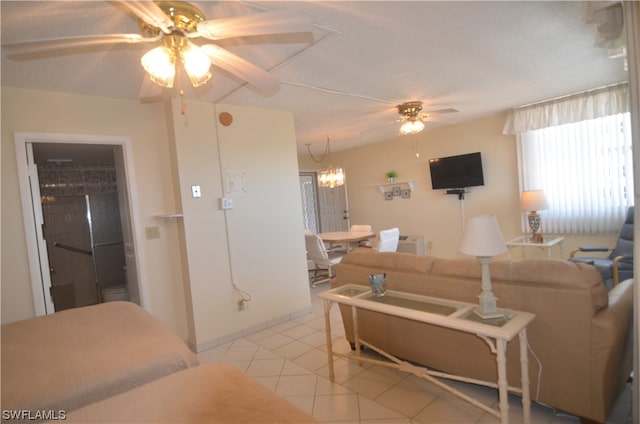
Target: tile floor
[{"x": 291, "y": 360}]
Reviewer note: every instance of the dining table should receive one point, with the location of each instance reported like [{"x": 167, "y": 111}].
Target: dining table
[{"x": 346, "y": 237}]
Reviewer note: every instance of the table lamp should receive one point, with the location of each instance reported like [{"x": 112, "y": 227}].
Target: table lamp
[
  {"x": 482, "y": 238},
  {"x": 533, "y": 201}
]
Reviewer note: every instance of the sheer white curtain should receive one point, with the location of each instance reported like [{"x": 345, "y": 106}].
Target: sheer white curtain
[{"x": 578, "y": 150}]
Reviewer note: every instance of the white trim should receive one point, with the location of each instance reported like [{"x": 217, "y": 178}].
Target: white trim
[
  {"x": 32, "y": 218},
  {"x": 41, "y": 304},
  {"x": 631, "y": 11}
]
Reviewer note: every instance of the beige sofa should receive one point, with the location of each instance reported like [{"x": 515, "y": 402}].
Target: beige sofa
[{"x": 581, "y": 336}]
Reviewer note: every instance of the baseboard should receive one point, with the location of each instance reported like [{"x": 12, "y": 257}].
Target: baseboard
[{"x": 210, "y": 344}]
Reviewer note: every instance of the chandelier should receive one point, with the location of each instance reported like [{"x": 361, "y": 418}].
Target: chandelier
[{"x": 330, "y": 177}]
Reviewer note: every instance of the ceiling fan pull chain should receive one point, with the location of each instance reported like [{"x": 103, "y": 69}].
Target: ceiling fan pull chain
[{"x": 183, "y": 106}]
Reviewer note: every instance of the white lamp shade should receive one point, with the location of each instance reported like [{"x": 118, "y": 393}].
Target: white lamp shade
[
  {"x": 160, "y": 65},
  {"x": 533, "y": 200},
  {"x": 197, "y": 64},
  {"x": 482, "y": 237},
  {"x": 411, "y": 127}
]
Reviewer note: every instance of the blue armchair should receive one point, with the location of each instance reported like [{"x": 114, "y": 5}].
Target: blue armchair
[{"x": 618, "y": 266}]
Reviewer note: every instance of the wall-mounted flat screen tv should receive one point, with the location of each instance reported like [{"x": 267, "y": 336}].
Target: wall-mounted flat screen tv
[{"x": 459, "y": 171}]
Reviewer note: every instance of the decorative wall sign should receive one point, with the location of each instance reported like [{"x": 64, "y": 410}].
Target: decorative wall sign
[
  {"x": 396, "y": 191},
  {"x": 388, "y": 195},
  {"x": 406, "y": 194}
]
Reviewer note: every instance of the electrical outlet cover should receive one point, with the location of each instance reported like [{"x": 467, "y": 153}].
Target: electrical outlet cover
[{"x": 226, "y": 203}]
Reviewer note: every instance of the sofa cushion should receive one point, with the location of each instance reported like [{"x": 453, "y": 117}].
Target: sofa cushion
[{"x": 398, "y": 261}]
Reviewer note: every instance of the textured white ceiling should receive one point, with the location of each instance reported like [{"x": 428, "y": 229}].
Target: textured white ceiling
[{"x": 364, "y": 58}]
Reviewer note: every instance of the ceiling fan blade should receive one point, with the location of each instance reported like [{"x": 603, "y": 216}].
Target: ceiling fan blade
[
  {"x": 277, "y": 22},
  {"x": 378, "y": 127},
  {"x": 71, "y": 42},
  {"x": 440, "y": 111},
  {"x": 149, "y": 12},
  {"x": 241, "y": 68},
  {"x": 436, "y": 119}
]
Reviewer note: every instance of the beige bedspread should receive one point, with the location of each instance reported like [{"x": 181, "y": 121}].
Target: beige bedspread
[
  {"x": 210, "y": 393},
  {"x": 79, "y": 356}
]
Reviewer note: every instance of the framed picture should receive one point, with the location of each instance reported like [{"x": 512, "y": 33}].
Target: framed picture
[
  {"x": 396, "y": 191},
  {"x": 388, "y": 195},
  {"x": 406, "y": 194}
]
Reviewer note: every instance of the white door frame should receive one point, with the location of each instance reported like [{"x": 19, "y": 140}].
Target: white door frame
[{"x": 32, "y": 211}]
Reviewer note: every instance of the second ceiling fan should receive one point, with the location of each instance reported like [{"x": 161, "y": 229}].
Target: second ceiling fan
[{"x": 412, "y": 117}]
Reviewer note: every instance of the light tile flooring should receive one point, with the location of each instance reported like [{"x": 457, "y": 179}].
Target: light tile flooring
[{"x": 291, "y": 360}]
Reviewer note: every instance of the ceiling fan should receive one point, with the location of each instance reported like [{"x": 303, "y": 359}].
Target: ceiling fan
[
  {"x": 175, "y": 25},
  {"x": 412, "y": 119}
]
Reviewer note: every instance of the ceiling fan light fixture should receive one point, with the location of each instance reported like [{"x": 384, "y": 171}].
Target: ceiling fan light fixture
[
  {"x": 411, "y": 117},
  {"x": 196, "y": 64},
  {"x": 412, "y": 127},
  {"x": 159, "y": 63}
]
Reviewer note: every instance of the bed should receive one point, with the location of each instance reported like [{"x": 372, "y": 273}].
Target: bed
[
  {"x": 207, "y": 394},
  {"x": 79, "y": 356}
]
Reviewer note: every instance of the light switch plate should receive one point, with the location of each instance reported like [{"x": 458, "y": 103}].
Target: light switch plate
[{"x": 195, "y": 191}]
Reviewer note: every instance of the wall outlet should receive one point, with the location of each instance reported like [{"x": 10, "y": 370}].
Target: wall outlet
[
  {"x": 226, "y": 203},
  {"x": 242, "y": 305},
  {"x": 152, "y": 232}
]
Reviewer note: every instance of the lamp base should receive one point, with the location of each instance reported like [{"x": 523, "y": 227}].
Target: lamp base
[
  {"x": 488, "y": 315},
  {"x": 537, "y": 238}
]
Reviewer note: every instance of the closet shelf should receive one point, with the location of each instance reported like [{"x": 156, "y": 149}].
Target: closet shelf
[{"x": 170, "y": 217}]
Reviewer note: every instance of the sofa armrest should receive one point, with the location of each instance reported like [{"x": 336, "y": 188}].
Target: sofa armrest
[{"x": 612, "y": 347}]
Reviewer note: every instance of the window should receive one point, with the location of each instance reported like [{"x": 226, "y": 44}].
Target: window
[
  {"x": 309, "y": 200},
  {"x": 578, "y": 150},
  {"x": 585, "y": 170}
]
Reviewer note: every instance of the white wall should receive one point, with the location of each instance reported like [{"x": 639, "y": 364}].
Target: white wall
[
  {"x": 190, "y": 267},
  {"x": 431, "y": 213}
]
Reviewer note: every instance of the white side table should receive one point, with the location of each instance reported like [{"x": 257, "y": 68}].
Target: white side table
[
  {"x": 525, "y": 242},
  {"x": 443, "y": 313}
]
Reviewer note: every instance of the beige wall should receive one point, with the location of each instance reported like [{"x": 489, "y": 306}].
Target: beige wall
[
  {"x": 33, "y": 111},
  {"x": 256, "y": 246},
  {"x": 431, "y": 213},
  {"x": 190, "y": 269}
]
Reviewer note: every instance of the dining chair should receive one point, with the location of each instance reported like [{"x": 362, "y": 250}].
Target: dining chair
[
  {"x": 363, "y": 229},
  {"x": 388, "y": 240},
  {"x": 322, "y": 259}
]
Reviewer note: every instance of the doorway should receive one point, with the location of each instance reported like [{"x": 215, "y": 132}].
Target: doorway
[
  {"x": 324, "y": 209},
  {"x": 76, "y": 196},
  {"x": 82, "y": 228}
]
